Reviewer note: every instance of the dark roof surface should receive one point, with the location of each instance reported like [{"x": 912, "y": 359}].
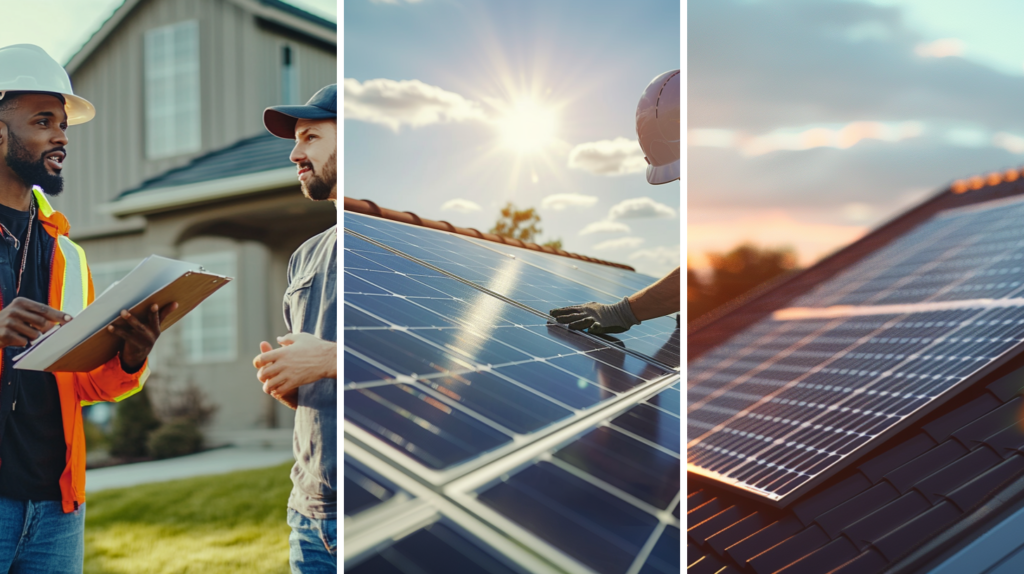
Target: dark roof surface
[
  {"x": 251, "y": 155},
  {"x": 899, "y": 496},
  {"x": 296, "y": 11}
]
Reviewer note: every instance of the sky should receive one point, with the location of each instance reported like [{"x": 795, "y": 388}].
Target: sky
[
  {"x": 455, "y": 107},
  {"x": 70, "y": 23},
  {"x": 810, "y": 122}
]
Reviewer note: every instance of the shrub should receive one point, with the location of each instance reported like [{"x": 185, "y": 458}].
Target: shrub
[
  {"x": 176, "y": 438},
  {"x": 95, "y": 438},
  {"x": 133, "y": 422}
]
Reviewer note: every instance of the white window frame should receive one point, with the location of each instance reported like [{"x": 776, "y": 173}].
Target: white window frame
[
  {"x": 171, "y": 90},
  {"x": 194, "y": 335}
]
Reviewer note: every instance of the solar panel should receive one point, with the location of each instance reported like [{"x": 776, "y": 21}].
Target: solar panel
[
  {"x": 795, "y": 397},
  {"x": 455, "y": 377}
]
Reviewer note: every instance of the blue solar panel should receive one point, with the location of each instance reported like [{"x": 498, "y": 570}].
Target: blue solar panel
[
  {"x": 363, "y": 491},
  {"x": 452, "y": 366}
]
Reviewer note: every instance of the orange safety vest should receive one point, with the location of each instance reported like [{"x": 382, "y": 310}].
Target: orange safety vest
[{"x": 71, "y": 289}]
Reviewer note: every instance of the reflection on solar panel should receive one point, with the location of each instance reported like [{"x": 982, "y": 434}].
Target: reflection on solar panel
[
  {"x": 496, "y": 428},
  {"x": 793, "y": 398}
]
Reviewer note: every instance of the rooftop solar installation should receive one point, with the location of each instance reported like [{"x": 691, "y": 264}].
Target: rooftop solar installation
[
  {"x": 800, "y": 394},
  {"x": 469, "y": 412}
]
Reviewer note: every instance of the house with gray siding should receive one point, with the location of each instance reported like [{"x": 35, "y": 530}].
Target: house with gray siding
[{"x": 177, "y": 163}]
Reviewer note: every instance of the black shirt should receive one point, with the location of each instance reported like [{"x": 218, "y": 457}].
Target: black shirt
[{"x": 32, "y": 446}]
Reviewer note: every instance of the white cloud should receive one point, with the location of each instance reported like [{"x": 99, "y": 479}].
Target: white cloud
[
  {"x": 841, "y": 136},
  {"x": 943, "y": 48},
  {"x": 560, "y": 201},
  {"x": 656, "y": 261},
  {"x": 1009, "y": 142},
  {"x": 604, "y": 226},
  {"x": 640, "y": 207},
  {"x": 395, "y": 103},
  {"x": 630, "y": 242},
  {"x": 608, "y": 157},
  {"x": 460, "y": 205}
]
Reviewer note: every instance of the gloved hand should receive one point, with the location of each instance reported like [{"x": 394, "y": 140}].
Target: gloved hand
[{"x": 599, "y": 319}]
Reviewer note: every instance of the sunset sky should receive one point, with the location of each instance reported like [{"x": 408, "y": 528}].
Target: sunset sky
[
  {"x": 453, "y": 108},
  {"x": 812, "y": 121}
]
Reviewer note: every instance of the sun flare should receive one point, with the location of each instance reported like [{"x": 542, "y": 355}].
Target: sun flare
[{"x": 528, "y": 127}]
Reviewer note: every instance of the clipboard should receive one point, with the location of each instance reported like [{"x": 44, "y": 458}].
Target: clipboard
[{"x": 78, "y": 352}]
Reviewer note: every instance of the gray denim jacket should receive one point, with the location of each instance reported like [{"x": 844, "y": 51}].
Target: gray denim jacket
[{"x": 311, "y": 306}]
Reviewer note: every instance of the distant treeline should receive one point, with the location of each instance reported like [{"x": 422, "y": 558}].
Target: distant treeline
[{"x": 732, "y": 274}]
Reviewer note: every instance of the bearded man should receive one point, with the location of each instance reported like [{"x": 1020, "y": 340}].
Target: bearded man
[
  {"x": 302, "y": 373},
  {"x": 44, "y": 280}
]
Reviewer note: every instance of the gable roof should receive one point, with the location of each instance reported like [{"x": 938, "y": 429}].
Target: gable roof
[
  {"x": 255, "y": 154},
  {"x": 276, "y": 11},
  {"x": 907, "y": 503}
]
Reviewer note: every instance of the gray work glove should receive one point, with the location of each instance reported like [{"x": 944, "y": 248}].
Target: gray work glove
[{"x": 599, "y": 319}]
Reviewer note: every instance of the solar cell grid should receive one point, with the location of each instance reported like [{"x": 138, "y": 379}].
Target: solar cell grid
[
  {"x": 444, "y": 378},
  {"x": 537, "y": 288}
]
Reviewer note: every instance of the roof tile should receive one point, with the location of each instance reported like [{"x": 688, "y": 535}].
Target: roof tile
[
  {"x": 1007, "y": 441},
  {"x": 693, "y": 552},
  {"x": 824, "y": 559},
  {"x": 696, "y": 498},
  {"x": 902, "y": 540},
  {"x": 706, "y": 510},
  {"x": 1007, "y": 387},
  {"x": 763, "y": 539},
  {"x": 730, "y": 535},
  {"x": 867, "y": 562},
  {"x": 833, "y": 521},
  {"x": 814, "y": 505},
  {"x": 904, "y": 477},
  {"x": 789, "y": 550},
  {"x": 990, "y": 424},
  {"x": 729, "y": 569},
  {"x": 708, "y": 564},
  {"x": 886, "y": 519},
  {"x": 879, "y": 465},
  {"x": 951, "y": 476},
  {"x": 942, "y": 427},
  {"x": 699, "y": 533},
  {"x": 971, "y": 494}
]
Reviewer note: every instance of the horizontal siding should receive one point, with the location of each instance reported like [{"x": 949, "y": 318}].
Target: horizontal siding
[{"x": 239, "y": 77}]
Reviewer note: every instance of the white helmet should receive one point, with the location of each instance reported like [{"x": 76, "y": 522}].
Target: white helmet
[
  {"x": 657, "y": 127},
  {"x": 28, "y": 68}
]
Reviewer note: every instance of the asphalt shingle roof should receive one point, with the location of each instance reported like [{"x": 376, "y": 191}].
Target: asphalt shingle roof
[
  {"x": 251, "y": 155},
  {"x": 903, "y": 494}
]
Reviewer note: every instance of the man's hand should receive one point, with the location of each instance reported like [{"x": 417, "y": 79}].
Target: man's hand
[
  {"x": 139, "y": 334},
  {"x": 25, "y": 320},
  {"x": 599, "y": 319},
  {"x": 302, "y": 359}
]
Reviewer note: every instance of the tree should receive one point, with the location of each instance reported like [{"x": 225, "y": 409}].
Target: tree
[
  {"x": 521, "y": 224},
  {"x": 133, "y": 422},
  {"x": 733, "y": 274}
]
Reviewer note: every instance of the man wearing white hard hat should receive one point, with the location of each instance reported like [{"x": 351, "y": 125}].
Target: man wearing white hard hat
[
  {"x": 657, "y": 127},
  {"x": 45, "y": 280}
]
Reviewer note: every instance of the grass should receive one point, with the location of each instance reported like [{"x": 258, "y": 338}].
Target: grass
[{"x": 223, "y": 524}]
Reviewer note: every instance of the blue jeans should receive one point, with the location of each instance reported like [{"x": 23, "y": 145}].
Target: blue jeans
[
  {"x": 38, "y": 538},
  {"x": 314, "y": 544}
]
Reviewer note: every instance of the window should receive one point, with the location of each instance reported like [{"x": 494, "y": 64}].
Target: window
[
  {"x": 106, "y": 274},
  {"x": 289, "y": 77},
  {"x": 210, "y": 331},
  {"x": 172, "y": 90}
]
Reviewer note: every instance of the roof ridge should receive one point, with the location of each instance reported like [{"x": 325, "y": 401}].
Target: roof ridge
[
  {"x": 976, "y": 182},
  {"x": 367, "y": 207}
]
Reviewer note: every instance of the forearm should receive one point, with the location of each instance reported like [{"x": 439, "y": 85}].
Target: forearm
[
  {"x": 330, "y": 365},
  {"x": 660, "y": 298}
]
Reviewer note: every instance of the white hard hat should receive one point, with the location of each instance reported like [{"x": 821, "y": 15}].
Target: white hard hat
[
  {"x": 657, "y": 127},
  {"x": 28, "y": 68}
]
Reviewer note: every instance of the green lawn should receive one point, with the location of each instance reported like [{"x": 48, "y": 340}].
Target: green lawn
[{"x": 228, "y": 523}]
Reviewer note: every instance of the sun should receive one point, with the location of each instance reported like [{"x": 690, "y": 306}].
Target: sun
[{"x": 528, "y": 127}]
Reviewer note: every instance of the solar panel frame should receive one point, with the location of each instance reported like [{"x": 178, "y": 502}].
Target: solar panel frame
[{"x": 880, "y": 261}]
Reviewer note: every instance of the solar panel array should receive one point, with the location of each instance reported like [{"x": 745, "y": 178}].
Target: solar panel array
[
  {"x": 795, "y": 397},
  {"x": 473, "y": 424}
]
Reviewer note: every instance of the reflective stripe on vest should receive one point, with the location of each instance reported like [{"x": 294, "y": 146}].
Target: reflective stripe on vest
[{"x": 74, "y": 291}]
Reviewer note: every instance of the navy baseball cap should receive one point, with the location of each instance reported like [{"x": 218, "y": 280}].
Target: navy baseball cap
[{"x": 281, "y": 120}]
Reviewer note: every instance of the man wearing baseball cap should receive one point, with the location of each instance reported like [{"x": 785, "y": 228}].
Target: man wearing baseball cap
[{"x": 302, "y": 372}]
